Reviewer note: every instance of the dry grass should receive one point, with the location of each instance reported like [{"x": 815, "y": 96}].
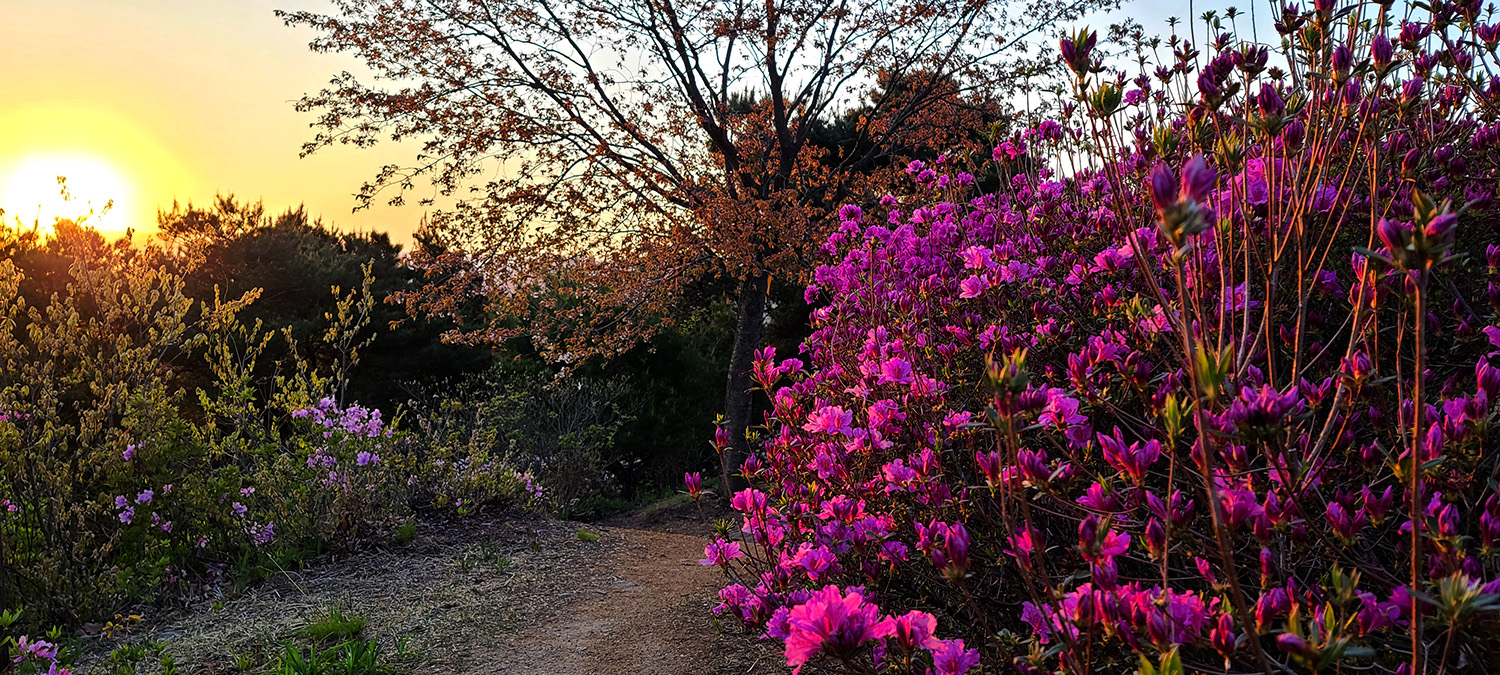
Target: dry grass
[{"x": 524, "y": 595}]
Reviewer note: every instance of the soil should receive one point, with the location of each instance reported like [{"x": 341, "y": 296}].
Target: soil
[{"x": 518, "y": 596}]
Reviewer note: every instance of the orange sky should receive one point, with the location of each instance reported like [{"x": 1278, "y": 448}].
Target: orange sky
[{"x": 144, "y": 101}]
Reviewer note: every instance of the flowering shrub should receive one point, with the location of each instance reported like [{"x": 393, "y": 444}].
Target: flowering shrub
[
  {"x": 508, "y": 434},
  {"x": 115, "y": 488},
  {"x": 1208, "y": 381}
]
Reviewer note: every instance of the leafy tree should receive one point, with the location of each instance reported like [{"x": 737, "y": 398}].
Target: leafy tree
[
  {"x": 610, "y": 143},
  {"x": 294, "y": 261}
]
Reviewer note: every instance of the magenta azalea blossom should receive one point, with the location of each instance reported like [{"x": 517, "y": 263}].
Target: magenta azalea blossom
[
  {"x": 834, "y": 623},
  {"x": 831, "y": 420},
  {"x": 950, "y": 658},
  {"x": 914, "y": 630},
  {"x": 720, "y": 552},
  {"x": 973, "y": 286}
]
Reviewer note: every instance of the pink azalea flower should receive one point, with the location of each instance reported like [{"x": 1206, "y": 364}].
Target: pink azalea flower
[
  {"x": 914, "y": 630},
  {"x": 830, "y": 419},
  {"x": 978, "y": 257},
  {"x": 721, "y": 552},
  {"x": 973, "y": 286},
  {"x": 815, "y": 560},
  {"x": 950, "y": 658},
  {"x": 832, "y": 623},
  {"x": 1061, "y": 410},
  {"x": 1025, "y": 544},
  {"x": 895, "y": 370}
]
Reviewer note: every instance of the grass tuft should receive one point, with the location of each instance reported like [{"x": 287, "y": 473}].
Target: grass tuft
[{"x": 333, "y": 625}]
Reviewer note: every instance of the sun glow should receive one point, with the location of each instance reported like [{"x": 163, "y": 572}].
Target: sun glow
[
  {"x": 92, "y": 188},
  {"x": 105, "y": 157}
]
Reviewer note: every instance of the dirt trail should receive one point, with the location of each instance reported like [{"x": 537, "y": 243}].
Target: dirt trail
[
  {"x": 651, "y": 618},
  {"x": 514, "y": 597}
]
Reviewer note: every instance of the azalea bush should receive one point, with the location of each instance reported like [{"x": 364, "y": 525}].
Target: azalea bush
[{"x": 1208, "y": 383}]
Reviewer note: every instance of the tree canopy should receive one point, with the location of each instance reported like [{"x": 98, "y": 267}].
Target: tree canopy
[{"x": 625, "y": 148}]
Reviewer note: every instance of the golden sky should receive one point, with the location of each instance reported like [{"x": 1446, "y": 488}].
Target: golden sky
[{"x": 146, "y": 101}]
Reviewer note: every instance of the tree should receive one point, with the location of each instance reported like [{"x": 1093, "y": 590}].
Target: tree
[
  {"x": 620, "y": 149},
  {"x": 293, "y": 260}
]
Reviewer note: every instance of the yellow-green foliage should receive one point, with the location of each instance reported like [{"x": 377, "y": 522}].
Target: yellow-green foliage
[{"x": 121, "y": 479}]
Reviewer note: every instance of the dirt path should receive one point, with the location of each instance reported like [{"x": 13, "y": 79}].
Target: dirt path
[
  {"x": 650, "y": 618},
  {"x": 515, "y": 597}
]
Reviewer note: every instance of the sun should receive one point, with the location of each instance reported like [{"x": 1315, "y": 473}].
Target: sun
[{"x": 92, "y": 185}]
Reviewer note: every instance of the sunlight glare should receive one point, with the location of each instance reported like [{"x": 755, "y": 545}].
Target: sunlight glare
[{"x": 32, "y": 194}]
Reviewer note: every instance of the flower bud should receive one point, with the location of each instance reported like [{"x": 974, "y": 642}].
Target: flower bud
[
  {"x": 1295, "y": 646},
  {"x": 751, "y": 467},
  {"x": 1391, "y": 234},
  {"x": 1163, "y": 187},
  {"x": 1088, "y": 535},
  {"x": 1270, "y": 102},
  {"x": 1441, "y": 226},
  {"x": 1411, "y": 89},
  {"x": 1197, "y": 179},
  {"x": 1342, "y": 60},
  {"x": 1156, "y": 538},
  {"x": 1382, "y": 51},
  {"x": 1412, "y": 34},
  {"x": 1107, "y": 575},
  {"x": 1223, "y": 637},
  {"x": 1410, "y": 161},
  {"x": 1293, "y": 134},
  {"x": 1267, "y": 567},
  {"x": 1488, "y": 379},
  {"x": 1489, "y": 33},
  {"x": 1351, "y": 93}
]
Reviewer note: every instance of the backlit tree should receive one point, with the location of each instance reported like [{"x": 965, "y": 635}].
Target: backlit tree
[{"x": 603, "y": 155}]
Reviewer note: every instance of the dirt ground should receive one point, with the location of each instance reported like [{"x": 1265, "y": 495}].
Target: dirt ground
[{"x": 522, "y": 596}]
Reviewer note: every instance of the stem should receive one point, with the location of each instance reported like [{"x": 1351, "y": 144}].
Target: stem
[
  {"x": 1237, "y": 593},
  {"x": 1415, "y": 504},
  {"x": 1447, "y": 648}
]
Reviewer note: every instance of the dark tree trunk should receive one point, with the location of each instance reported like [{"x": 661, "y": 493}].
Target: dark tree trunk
[{"x": 739, "y": 404}]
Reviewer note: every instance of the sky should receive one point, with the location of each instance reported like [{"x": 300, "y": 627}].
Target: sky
[{"x": 146, "y": 101}]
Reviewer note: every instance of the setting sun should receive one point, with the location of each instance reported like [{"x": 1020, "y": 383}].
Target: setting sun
[
  {"x": 32, "y": 193},
  {"x": 105, "y": 157}
]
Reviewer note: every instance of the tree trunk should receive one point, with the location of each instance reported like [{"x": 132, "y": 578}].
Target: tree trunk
[{"x": 739, "y": 404}]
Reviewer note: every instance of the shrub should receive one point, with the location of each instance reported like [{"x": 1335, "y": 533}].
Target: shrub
[
  {"x": 116, "y": 488},
  {"x": 477, "y": 434},
  {"x": 1209, "y": 381}
]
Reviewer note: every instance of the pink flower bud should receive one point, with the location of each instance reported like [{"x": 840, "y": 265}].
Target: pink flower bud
[
  {"x": 1198, "y": 179},
  {"x": 1382, "y": 50},
  {"x": 1163, "y": 187}
]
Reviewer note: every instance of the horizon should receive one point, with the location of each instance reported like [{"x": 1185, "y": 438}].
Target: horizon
[{"x": 165, "y": 101}]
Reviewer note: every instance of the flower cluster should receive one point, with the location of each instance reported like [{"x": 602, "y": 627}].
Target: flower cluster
[
  {"x": 126, "y": 507},
  {"x": 40, "y": 654},
  {"x": 1221, "y": 393},
  {"x": 353, "y": 421}
]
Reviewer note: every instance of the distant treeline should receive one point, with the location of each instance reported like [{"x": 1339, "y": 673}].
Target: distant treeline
[{"x": 669, "y": 389}]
